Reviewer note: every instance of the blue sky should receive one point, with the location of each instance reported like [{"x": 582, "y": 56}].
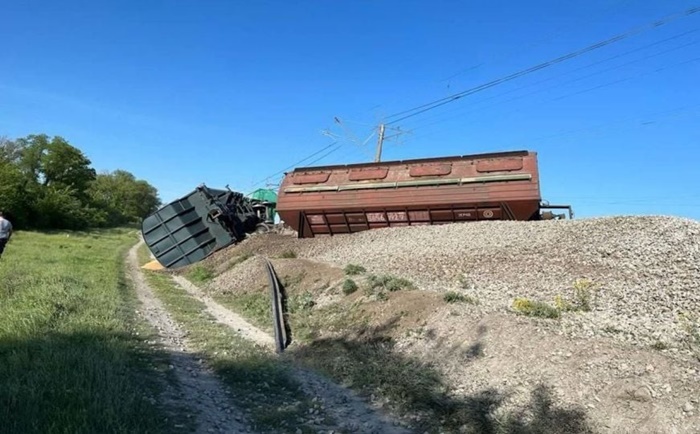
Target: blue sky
[{"x": 230, "y": 92}]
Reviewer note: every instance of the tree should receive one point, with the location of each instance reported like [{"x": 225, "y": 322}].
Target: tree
[
  {"x": 125, "y": 198},
  {"x": 10, "y": 151},
  {"x": 55, "y": 163},
  {"x": 47, "y": 183},
  {"x": 12, "y": 201}
]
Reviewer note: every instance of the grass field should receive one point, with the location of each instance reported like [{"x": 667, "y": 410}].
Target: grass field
[{"x": 73, "y": 357}]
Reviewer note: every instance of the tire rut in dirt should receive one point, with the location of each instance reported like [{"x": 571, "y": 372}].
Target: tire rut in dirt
[{"x": 199, "y": 390}]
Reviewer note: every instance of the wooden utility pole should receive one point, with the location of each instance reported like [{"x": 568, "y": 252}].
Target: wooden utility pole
[{"x": 380, "y": 140}]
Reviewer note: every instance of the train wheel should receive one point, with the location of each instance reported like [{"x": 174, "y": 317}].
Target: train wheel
[{"x": 262, "y": 228}]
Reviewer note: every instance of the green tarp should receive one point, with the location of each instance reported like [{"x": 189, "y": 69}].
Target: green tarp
[{"x": 264, "y": 194}]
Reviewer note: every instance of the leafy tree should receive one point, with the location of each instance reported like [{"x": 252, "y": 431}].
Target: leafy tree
[
  {"x": 55, "y": 162},
  {"x": 57, "y": 207},
  {"x": 10, "y": 151},
  {"x": 125, "y": 198},
  {"x": 12, "y": 201},
  {"x": 48, "y": 183}
]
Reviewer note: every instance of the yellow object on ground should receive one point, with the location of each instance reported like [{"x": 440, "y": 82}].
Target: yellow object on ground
[{"x": 153, "y": 265}]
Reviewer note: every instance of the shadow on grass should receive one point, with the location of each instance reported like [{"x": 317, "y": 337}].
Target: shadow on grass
[
  {"x": 82, "y": 383},
  {"x": 366, "y": 361}
]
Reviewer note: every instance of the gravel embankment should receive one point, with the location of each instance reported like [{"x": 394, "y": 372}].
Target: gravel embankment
[
  {"x": 647, "y": 268},
  {"x": 244, "y": 276}
]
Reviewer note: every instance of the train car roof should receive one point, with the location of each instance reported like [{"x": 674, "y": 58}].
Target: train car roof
[{"x": 506, "y": 154}]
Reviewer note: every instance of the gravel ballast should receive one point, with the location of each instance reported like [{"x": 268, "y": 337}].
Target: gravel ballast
[{"x": 646, "y": 269}]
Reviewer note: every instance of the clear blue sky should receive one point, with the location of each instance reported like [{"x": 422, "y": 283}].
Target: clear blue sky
[{"x": 229, "y": 92}]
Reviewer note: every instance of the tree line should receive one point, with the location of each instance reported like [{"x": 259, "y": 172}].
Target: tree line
[{"x": 46, "y": 183}]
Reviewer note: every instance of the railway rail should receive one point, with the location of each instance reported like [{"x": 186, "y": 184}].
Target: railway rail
[{"x": 277, "y": 296}]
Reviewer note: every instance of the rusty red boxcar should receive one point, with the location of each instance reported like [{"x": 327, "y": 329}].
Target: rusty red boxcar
[{"x": 340, "y": 199}]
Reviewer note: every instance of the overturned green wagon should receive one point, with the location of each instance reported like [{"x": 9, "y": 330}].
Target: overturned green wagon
[{"x": 189, "y": 229}]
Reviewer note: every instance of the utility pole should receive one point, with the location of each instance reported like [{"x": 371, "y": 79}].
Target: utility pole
[{"x": 380, "y": 140}]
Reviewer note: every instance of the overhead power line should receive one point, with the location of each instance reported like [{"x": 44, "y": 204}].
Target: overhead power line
[
  {"x": 441, "y": 118},
  {"x": 267, "y": 178},
  {"x": 599, "y": 86},
  {"x": 405, "y": 114},
  {"x": 598, "y": 62},
  {"x": 565, "y": 26}
]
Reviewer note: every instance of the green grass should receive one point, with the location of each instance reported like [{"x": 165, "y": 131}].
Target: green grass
[
  {"x": 200, "y": 274},
  {"x": 535, "y": 308},
  {"x": 256, "y": 305},
  {"x": 239, "y": 260},
  {"x": 389, "y": 283},
  {"x": 263, "y": 385},
  {"x": 73, "y": 357},
  {"x": 288, "y": 254},
  {"x": 456, "y": 297},
  {"x": 353, "y": 269}
]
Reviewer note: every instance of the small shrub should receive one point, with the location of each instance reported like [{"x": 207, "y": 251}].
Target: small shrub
[
  {"x": 302, "y": 302},
  {"x": 288, "y": 254},
  {"x": 349, "y": 286},
  {"x": 582, "y": 299},
  {"x": 375, "y": 281},
  {"x": 389, "y": 283},
  {"x": 561, "y": 304},
  {"x": 353, "y": 269},
  {"x": 535, "y": 308},
  {"x": 200, "y": 274},
  {"x": 455, "y": 297},
  {"x": 659, "y": 345},
  {"x": 583, "y": 294}
]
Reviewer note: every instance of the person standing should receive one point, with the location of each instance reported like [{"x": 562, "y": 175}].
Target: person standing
[{"x": 5, "y": 232}]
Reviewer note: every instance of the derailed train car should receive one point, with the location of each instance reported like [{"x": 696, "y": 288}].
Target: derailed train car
[
  {"x": 345, "y": 199},
  {"x": 342, "y": 199},
  {"x": 189, "y": 229}
]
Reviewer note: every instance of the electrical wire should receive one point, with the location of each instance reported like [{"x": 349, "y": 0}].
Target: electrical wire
[
  {"x": 663, "y": 68},
  {"x": 442, "y": 101},
  {"x": 617, "y": 56},
  {"x": 599, "y": 86},
  {"x": 656, "y": 117},
  {"x": 558, "y": 30},
  {"x": 405, "y": 114},
  {"x": 267, "y": 178}
]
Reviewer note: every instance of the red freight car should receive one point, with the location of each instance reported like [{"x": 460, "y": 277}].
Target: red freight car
[{"x": 350, "y": 198}]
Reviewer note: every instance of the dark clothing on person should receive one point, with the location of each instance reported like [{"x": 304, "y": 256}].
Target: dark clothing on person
[{"x": 3, "y": 241}]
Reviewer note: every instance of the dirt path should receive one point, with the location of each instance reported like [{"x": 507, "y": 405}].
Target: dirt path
[
  {"x": 225, "y": 316},
  {"x": 350, "y": 411},
  {"x": 199, "y": 388}
]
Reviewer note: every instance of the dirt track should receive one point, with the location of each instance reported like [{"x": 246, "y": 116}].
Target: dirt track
[
  {"x": 199, "y": 389},
  {"x": 349, "y": 411},
  {"x": 203, "y": 391}
]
